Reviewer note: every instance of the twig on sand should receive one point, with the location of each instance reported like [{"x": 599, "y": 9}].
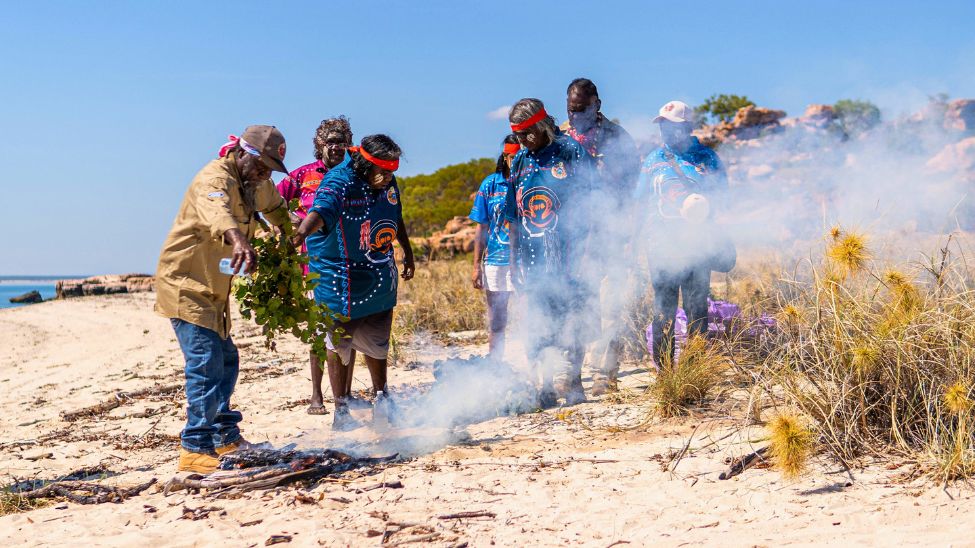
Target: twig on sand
[
  {"x": 381, "y": 485},
  {"x": 147, "y": 432},
  {"x": 744, "y": 463},
  {"x": 119, "y": 399},
  {"x": 470, "y": 514},
  {"x": 418, "y": 538},
  {"x": 97, "y": 493},
  {"x": 618, "y": 542},
  {"x": 683, "y": 451}
]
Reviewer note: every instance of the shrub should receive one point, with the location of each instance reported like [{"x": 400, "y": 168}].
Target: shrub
[
  {"x": 721, "y": 108},
  {"x": 855, "y": 116},
  {"x": 429, "y": 201}
]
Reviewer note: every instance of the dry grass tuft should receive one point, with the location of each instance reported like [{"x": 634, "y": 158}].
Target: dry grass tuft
[
  {"x": 15, "y": 503},
  {"x": 439, "y": 300},
  {"x": 681, "y": 385},
  {"x": 849, "y": 253},
  {"x": 956, "y": 399},
  {"x": 880, "y": 363},
  {"x": 791, "y": 444}
]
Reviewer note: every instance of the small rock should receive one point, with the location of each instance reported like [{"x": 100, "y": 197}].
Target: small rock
[{"x": 26, "y": 298}]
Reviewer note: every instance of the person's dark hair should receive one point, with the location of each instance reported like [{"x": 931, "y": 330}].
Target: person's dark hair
[
  {"x": 328, "y": 125},
  {"x": 510, "y": 139},
  {"x": 584, "y": 85},
  {"x": 528, "y": 107},
  {"x": 379, "y": 145}
]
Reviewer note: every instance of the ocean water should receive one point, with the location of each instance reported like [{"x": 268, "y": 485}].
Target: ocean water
[{"x": 13, "y": 286}]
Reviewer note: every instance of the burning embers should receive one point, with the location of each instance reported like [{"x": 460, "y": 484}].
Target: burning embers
[{"x": 264, "y": 468}]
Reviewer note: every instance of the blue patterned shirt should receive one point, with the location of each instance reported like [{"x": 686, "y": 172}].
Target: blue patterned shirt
[
  {"x": 489, "y": 210},
  {"x": 353, "y": 252}
]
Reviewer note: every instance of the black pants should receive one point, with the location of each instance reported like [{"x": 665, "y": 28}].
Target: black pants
[{"x": 694, "y": 283}]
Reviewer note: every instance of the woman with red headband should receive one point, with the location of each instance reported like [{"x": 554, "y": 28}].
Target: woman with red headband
[
  {"x": 550, "y": 183},
  {"x": 491, "y": 258},
  {"x": 349, "y": 232}
]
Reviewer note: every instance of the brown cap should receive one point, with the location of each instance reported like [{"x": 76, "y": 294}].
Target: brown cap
[{"x": 269, "y": 143}]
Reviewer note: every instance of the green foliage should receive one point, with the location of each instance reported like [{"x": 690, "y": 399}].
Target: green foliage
[
  {"x": 429, "y": 201},
  {"x": 854, "y": 116},
  {"x": 721, "y": 107},
  {"x": 276, "y": 294}
]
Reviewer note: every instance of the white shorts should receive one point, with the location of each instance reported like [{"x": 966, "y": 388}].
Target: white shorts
[{"x": 497, "y": 278}]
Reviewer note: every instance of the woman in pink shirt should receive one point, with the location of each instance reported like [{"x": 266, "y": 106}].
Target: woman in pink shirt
[{"x": 332, "y": 138}]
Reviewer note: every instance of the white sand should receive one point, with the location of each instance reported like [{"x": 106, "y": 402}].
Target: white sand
[{"x": 528, "y": 470}]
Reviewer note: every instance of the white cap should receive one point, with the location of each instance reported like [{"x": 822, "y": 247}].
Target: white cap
[
  {"x": 695, "y": 208},
  {"x": 675, "y": 111}
]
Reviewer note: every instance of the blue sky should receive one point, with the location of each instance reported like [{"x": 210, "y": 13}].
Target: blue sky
[{"x": 110, "y": 108}]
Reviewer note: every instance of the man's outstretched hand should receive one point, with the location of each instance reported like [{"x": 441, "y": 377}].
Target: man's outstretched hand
[{"x": 244, "y": 257}]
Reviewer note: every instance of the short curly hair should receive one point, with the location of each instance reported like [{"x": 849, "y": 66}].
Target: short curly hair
[{"x": 328, "y": 125}]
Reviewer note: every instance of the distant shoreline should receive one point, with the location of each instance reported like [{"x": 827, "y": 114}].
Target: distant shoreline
[{"x": 40, "y": 278}]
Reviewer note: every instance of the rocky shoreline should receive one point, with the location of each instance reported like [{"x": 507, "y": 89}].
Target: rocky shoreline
[{"x": 104, "y": 285}]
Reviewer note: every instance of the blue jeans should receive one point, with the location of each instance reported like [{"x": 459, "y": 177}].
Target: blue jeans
[{"x": 211, "y": 371}]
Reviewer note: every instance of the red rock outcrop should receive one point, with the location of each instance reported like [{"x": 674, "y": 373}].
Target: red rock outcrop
[{"x": 104, "y": 285}]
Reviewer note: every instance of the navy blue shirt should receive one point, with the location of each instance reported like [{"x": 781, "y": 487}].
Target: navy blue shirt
[
  {"x": 547, "y": 205},
  {"x": 353, "y": 252}
]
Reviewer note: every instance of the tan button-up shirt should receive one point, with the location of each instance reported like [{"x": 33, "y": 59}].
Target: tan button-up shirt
[{"x": 189, "y": 284}]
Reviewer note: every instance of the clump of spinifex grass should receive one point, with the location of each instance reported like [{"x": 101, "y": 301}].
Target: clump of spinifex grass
[
  {"x": 956, "y": 458},
  {"x": 790, "y": 444},
  {"x": 873, "y": 356},
  {"x": 687, "y": 381},
  {"x": 848, "y": 252}
]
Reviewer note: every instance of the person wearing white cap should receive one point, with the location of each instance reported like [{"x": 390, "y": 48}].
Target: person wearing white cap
[{"x": 684, "y": 182}]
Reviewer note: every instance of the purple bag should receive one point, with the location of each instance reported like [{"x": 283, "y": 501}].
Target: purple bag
[{"x": 722, "y": 319}]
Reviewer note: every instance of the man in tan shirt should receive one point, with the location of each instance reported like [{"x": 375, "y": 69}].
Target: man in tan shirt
[{"x": 216, "y": 221}]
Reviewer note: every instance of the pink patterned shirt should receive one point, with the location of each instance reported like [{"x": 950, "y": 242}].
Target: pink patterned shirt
[{"x": 302, "y": 183}]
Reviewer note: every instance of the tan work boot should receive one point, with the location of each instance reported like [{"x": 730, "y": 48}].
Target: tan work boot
[
  {"x": 200, "y": 463},
  {"x": 241, "y": 443}
]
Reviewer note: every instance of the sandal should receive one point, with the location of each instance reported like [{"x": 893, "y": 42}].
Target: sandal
[{"x": 317, "y": 410}]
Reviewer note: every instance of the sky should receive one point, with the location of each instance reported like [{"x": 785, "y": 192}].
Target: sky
[{"x": 110, "y": 108}]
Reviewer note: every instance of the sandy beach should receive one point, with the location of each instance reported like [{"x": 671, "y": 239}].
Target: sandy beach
[{"x": 554, "y": 478}]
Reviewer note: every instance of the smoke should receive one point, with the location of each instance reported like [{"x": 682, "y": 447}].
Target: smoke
[
  {"x": 799, "y": 177},
  {"x": 427, "y": 418},
  {"x": 788, "y": 184}
]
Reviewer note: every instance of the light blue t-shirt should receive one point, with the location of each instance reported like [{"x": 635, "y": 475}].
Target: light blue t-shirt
[{"x": 489, "y": 210}]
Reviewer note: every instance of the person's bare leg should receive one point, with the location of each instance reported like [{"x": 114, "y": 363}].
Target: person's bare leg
[
  {"x": 377, "y": 371},
  {"x": 337, "y": 372},
  {"x": 317, "y": 404},
  {"x": 348, "y": 380},
  {"x": 497, "y": 304}
]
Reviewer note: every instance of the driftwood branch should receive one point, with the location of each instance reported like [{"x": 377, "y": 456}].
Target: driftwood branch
[
  {"x": 472, "y": 514},
  {"x": 96, "y": 492},
  {"x": 119, "y": 399},
  {"x": 744, "y": 463}
]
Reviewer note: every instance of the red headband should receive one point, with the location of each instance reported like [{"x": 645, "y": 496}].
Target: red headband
[
  {"x": 388, "y": 165},
  {"x": 536, "y": 118},
  {"x": 511, "y": 148}
]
